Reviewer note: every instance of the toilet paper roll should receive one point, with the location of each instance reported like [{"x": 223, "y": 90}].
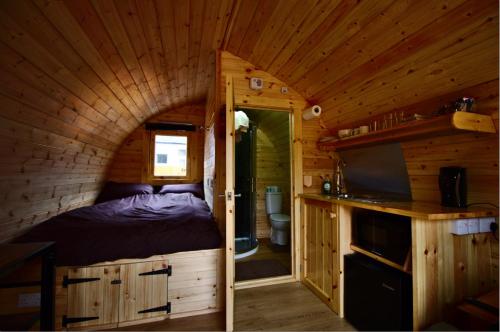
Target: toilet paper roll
[{"x": 312, "y": 112}]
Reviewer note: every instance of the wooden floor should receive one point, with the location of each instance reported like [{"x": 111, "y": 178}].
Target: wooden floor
[
  {"x": 285, "y": 307},
  {"x": 267, "y": 251},
  {"x": 210, "y": 322}
]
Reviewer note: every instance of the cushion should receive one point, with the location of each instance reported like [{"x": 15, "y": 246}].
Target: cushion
[
  {"x": 194, "y": 188},
  {"x": 115, "y": 190}
]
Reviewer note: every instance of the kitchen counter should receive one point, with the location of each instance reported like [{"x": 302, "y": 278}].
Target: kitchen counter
[{"x": 414, "y": 209}]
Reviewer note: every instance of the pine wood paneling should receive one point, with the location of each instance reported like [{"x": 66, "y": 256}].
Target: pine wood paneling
[
  {"x": 78, "y": 77},
  {"x": 129, "y": 161},
  {"x": 316, "y": 163},
  {"x": 97, "y": 299},
  {"x": 447, "y": 268},
  {"x": 320, "y": 251},
  {"x": 139, "y": 293},
  {"x": 194, "y": 288}
]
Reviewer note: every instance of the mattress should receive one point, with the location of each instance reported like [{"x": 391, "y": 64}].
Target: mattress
[{"x": 138, "y": 226}]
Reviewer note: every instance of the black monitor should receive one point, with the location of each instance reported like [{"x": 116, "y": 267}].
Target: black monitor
[{"x": 377, "y": 171}]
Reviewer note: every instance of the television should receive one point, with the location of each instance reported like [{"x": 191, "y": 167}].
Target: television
[{"x": 376, "y": 171}]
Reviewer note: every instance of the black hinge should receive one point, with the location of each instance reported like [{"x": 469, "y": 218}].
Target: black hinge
[
  {"x": 71, "y": 320},
  {"x": 166, "y": 308},
  {"x": 67, "y": 281},
  {"x": 167, "y": 271}
]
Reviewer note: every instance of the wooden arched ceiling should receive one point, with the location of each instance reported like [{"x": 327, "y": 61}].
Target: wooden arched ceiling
[
  {"x": 140, "y": 57},
  {"x": 360, "y": 58},
  {"x": 77, "y": 76},
  {"x": 130, "y": 59}
]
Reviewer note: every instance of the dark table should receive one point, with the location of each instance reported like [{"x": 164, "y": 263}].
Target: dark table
[{"x": 15, "y": 259}]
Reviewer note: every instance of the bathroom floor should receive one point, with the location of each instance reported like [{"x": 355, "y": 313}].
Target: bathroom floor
[{"x": 270, "y": 261}]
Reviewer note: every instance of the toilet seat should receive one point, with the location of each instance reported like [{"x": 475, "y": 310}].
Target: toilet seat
[
  {"x": 280, "y": 217},
  {"x": 280, "y": 221}
]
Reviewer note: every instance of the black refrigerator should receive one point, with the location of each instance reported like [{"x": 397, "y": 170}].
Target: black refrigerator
[{"x": 376, "y": 296}]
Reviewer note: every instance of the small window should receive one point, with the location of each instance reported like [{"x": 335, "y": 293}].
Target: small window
[{"x": 170, "y": 155}]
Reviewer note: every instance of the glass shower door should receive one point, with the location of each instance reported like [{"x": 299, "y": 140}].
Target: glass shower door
[{"x": 245, "y": 213}]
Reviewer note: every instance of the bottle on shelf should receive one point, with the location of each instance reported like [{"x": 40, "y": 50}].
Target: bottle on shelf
[{"x": 326, "y": 188}]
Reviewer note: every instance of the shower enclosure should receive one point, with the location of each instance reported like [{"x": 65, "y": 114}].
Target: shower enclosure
[{"x": 245, "y": 189}]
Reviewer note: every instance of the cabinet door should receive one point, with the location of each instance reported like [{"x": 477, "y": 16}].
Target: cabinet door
[
  {"x": 320, "y": 254},
  {"x": 144, "y": 290},
  {"x": 93, "y": 296}
]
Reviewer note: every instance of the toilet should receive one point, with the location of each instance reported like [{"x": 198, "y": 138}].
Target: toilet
[{"x": 280, "y": 223}]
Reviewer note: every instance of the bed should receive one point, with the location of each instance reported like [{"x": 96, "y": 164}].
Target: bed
[{"x": 137, "y": 255}]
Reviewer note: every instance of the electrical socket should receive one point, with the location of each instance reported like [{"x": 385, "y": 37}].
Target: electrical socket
[
  {"x": 28, "y": 300},
  {"x": 460, "y": 227},
  {"x": 473, "y": 226},
  {"x": 485, "y": 224}
]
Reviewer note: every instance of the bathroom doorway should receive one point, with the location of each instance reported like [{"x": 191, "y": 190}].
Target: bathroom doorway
[
  {"x": 245, "y": 178},
  {"x": 263, "y": 194}
]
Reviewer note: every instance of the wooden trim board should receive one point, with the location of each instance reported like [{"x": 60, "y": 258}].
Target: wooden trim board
[
  {"x": 230, "y": 206},
  {"x": 264, "y": 282},
  {"x": 380, "y": 259}
]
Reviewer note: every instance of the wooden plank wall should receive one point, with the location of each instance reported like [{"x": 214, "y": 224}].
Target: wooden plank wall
[
  {"x": 315, "y": 163},
  {"x": 215, "y": 148},
  {"x": 447, "y": 268},
  {"x": 77, "y": 78},
  {"x": 128, "y": 162},
  {"x": 272, "y": 162},
  {"x": 209, "y": 160},
  {"x": 361, "y": 59}
]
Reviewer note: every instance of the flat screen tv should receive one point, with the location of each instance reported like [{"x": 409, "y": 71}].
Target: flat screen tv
[{"x": 377, "y": 171}]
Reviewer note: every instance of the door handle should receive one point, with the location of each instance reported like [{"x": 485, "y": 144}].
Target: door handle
[{"x": 224, "y": 195}]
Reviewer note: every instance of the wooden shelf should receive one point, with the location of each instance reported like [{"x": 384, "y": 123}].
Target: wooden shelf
[
  {"x": 449, "y": 124},
  {"x": 405, "y": 267}
]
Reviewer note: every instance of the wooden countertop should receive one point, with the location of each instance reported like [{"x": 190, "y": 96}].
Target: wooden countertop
[{"x": 414, "y": 209}]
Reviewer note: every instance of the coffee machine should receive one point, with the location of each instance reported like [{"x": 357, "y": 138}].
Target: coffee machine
[{"x": 453, "y": 186}]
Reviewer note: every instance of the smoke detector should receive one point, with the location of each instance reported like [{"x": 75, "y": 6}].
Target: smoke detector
[{"x": 256, "y": 83}]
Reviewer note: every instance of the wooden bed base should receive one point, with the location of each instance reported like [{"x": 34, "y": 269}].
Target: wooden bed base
[{"x": 136, "y": 291}]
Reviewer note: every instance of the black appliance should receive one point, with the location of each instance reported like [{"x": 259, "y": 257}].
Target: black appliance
[
  {"x": 453, "y": 186},
  {"x": 377, "y": 171},
  {"x": 384, "y": 234},
  {"x": 376, "y": 296}
]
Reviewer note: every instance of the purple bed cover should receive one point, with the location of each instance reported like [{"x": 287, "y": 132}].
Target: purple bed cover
[{"x": 138, "y": 226}]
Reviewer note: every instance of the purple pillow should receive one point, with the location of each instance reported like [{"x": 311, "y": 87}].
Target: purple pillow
[
  {"x": 115, "y": 190},
  {"x": 194, "y": 188}
]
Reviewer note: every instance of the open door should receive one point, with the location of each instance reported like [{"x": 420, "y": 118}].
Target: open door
[{"x": 230, "y": 206}]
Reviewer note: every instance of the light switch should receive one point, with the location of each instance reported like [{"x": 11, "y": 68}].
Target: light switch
[{"x": 308, "y": 181}]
